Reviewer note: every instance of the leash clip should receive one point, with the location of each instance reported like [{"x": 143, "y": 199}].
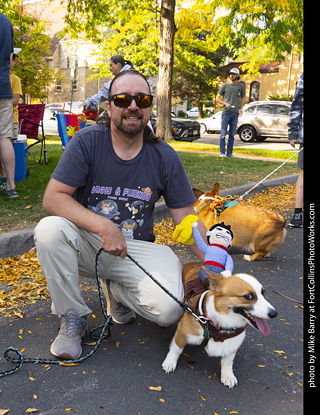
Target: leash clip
[{"x": 201, "y": 319}]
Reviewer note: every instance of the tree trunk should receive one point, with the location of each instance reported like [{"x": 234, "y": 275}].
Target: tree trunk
[{"x": 164, "y": 87}]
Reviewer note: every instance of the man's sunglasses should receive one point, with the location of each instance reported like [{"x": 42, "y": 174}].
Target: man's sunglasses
[{"x": 124, "y": 100}]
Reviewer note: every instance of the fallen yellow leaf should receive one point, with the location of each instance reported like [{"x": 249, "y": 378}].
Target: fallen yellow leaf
[
  {"x": 31, "y": 378},
  {"x": 155, "y": 388},
  {"x": 4, "y": 411},
  {"x": 31, "y": 410},
  {"x": 280, "y": 352},
  {"x": 202, "y": 398},
  {"x": 161, "y": 400},
  {"x": 28, "y": 207},
  {"x": 117, "y": 344},
  {"x": 68, "y": 364}
]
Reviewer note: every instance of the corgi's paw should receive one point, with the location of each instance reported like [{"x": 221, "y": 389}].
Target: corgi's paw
[
  {"x": 229, "y": 380},
  {"x": 169, "y": 364},
  {"x": 247, "y": 258}
]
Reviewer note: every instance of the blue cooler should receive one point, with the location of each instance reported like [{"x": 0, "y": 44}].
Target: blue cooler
[{"x": 20, "y": 150}]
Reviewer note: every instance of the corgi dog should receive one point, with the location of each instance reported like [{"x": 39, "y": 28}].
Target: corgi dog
[
  {"x": 226, "y": 309},
  {"x": 258, "y": 229}
]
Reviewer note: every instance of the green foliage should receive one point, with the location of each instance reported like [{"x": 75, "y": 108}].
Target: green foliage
[
  {"x": 131, "y": 28},
  {"x": 280, "y": 97},
  {"x": 29, "y": 35}
]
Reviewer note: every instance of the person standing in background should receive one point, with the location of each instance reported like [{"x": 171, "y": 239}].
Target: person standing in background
[
  {"x": 231, "y": 95},
  {"x": 16, "y": 95},
  {"x": 117, "y": 65},
  {"x": 295, "y": 135},
  {"x": 6, "y": 105}
]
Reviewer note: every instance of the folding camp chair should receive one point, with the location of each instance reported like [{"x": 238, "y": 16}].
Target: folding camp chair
[
  {"x": 69, "y": 124},
  {"x": 30, "y": 119}
]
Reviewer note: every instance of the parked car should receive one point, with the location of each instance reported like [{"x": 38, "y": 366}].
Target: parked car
[
  {"x": 262, "y": 119},
  {"x": 91, "y": 112},
  {"x": 212, "y": 124},
  {"x": 193, "y": 113},
  {"x": 66, "y": 106},
  {"x": 182, "y": 129},
  {"x": 50, "y": 124}
]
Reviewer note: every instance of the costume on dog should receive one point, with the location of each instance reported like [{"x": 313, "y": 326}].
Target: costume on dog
[{"x": 216, "y": 257}]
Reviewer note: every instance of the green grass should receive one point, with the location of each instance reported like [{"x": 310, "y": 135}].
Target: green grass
[
  {"x": 26, "y": 210},
  {"x": 278, "y": 154},
  {"x": 203, "y": 170}
]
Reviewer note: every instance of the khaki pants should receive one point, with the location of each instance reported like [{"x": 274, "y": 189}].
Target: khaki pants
[{"x": 66, "y": 252}]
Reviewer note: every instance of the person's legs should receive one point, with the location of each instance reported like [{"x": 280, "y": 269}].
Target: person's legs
[
  {"x": 297, "y": 217},
  {"x": 66, "y": 251},
  {"x": 6, "y": 148},
  {"x": 233, "y": 121},
  {"x": 224, "y": 129}
]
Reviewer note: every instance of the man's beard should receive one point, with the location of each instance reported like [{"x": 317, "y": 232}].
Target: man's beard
[{"x": 130, "y": 130}]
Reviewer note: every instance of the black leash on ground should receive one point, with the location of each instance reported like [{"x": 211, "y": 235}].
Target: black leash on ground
[
  {"x": 105, "y": 333},
  {"x": 105, "y": 327}
]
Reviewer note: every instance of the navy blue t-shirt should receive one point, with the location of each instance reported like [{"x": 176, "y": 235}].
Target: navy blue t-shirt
[
  {"x": 124, "y": 191},
  {"x": 6, "y": 48}
]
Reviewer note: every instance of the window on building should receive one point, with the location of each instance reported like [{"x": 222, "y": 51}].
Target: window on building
[
  {"x": 254, "y": 91},
  {"x": 58, "y": 86},
  {"x": 74, "y": 85},
  {"x": 68, "y": 62}
]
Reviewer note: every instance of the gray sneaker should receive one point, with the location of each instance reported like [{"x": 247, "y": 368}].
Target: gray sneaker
[
  {"x": 67, "y": 344},
  {"x": 120, "y": 313}
]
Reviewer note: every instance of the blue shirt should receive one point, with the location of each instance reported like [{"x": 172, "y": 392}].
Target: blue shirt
[{"x": 6, "y": 48}]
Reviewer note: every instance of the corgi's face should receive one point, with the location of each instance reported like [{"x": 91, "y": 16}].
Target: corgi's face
[{"x": 242, "y": 295}]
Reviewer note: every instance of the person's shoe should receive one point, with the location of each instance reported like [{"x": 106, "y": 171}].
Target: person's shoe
[
  {"x": 222, "y": 155},
  {"x": 11, "y": 193},
  {"x": 120, "y": 313},
  {"x": 296, "y": 220},
  {"x": 67, "y": 344},
  {"x": 232, "y": 156}
]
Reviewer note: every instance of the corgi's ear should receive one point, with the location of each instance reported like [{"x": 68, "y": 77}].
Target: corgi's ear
[
  {"x": 197, "y": 193},
  {"x": 215, "y": 189},
  {"x": 215, "y": 280}
]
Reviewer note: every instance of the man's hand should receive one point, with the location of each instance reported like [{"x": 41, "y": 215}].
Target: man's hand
[
  {"x": 293, "y": 142},
  {"x": 115, "y": 243}
]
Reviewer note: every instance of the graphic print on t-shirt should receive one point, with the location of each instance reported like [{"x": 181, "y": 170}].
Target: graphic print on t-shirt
[{"x": 125, "y": 207}]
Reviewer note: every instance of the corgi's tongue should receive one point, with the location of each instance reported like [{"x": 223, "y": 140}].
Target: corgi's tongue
[{"x": 262, "y": 325}]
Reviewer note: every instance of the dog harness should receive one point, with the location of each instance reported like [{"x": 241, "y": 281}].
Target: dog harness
[{"x": 211, "y": 330}]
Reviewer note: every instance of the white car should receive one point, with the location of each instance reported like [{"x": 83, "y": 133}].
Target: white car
[
  {"x": 212, "y": 124},
  {"x": 193, "y": 113},
  {"x": 50, "y": 124}
]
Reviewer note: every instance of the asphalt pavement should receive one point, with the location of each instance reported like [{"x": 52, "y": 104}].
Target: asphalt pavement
[{"x": 116, "y": 379}]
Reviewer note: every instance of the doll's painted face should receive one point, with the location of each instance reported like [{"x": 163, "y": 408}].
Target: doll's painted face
[{"x": 220, "y": 235}]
